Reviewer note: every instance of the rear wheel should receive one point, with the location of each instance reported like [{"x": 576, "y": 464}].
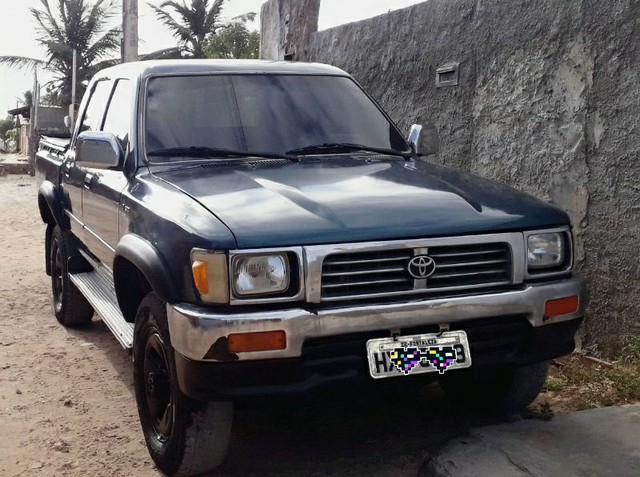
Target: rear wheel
[
  {"x": 184, "y": 436},
  {"x": 501, "y": 390},
  {"x": 69, "y": 305}
]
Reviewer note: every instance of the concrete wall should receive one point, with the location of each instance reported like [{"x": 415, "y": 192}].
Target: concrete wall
[{"x": 548, "y": 101}]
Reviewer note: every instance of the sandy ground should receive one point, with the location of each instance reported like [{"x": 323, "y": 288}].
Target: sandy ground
[{"x": 67, "y": 406}]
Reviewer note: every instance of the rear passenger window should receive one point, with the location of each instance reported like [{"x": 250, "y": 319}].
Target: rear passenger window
[
  {"x": 94, "y": 113},
  {"x": 118, "y": 119}
]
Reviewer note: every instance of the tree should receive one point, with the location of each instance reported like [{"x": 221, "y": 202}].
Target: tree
[
  {"x": 27, "y": 98},
  {"x": 198, "y": 23},
  {"x": 74, "y": 24},
  {"x": 235, "y": 40},
  {"x": 6, "y": 125}
]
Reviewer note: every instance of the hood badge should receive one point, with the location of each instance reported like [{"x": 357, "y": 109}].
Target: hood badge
[{"x": 421, "y": 267}]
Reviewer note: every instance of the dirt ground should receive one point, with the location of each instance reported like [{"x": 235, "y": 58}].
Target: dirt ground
[{"x": 67, "y": 406}]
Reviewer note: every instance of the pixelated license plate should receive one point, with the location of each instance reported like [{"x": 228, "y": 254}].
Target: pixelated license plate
[{"x": 431, "y": 353}]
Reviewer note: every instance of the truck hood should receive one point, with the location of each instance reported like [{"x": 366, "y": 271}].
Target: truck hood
[{"x": 351, "y": 199}]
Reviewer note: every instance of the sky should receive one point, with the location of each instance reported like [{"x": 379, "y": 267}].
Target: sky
[{"x": 18, "y": 34}]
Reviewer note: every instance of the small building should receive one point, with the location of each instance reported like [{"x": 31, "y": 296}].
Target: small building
[{"x": 49, "y": 121}]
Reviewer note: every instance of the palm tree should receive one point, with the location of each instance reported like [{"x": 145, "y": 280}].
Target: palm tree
[
  {"x": 74, "y": 25},
  {"x": 197, "y": 24}
]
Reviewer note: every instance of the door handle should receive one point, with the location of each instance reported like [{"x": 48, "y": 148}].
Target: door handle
[{"x": 88, "y": 180}]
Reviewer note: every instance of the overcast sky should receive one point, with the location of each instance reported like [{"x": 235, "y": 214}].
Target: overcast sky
[{"x": 18, "y": 35}]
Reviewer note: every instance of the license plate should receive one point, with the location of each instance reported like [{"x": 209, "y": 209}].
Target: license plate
[{"x": 417, "y": 354}]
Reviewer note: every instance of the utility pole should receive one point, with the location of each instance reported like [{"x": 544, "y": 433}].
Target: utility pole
[
  {"x": 129, "y": 30},
  {"x": 74, "y": 79}
]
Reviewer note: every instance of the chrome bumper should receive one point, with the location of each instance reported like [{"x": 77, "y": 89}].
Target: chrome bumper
[{"x": 195, "y": 329}]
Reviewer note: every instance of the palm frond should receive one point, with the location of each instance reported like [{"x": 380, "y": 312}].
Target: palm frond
[
  {"x": 193, "y": 24},
  {"x": 104, "y": 45},
  {"x": 166, "y": 54},
  {"x": 22, "y": 62},
  {"x": 182, "y": 33}
]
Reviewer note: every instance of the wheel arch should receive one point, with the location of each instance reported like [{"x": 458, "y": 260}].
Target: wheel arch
[
  {"x": 139, "y": 268},
  {"x": 51, "y": 211}
]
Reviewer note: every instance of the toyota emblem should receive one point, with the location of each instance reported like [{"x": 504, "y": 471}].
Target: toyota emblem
[{"x": 421, "y": 267}]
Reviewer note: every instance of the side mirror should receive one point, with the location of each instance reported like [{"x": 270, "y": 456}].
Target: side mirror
[
  {"x": 67, "y": 122},
  {"x": 98, "y": 150},
  {"x": 424, "y": 139}
]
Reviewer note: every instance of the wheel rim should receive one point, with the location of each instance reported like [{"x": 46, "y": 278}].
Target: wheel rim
[
  {"x": 157, "y": 384},
  {"x": 56, "y": 274}
]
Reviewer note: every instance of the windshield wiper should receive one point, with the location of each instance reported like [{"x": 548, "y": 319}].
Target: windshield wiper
[
  {"x": 215, "y": 152},
  {"x": 346, "y": 147}
]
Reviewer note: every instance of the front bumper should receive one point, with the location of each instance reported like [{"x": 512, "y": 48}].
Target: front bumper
[{"x": 200, "y": 335}]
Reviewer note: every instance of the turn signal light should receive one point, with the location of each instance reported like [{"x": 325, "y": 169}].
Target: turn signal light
[
  {"x": 199, "y": 270},
  {"x": 561, "y": 306},
  {"x": 262, "y": 341}
]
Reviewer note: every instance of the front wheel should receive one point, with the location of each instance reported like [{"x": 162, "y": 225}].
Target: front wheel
[
  {"x": 184, "y": 436},
  {"x": 504, "y": 390}
]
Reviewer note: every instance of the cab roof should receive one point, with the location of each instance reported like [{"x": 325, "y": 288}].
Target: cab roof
[{"x": 143, "y": 69}]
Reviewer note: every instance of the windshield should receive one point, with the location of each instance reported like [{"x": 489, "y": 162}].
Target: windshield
[{"x": 262, "y": 114}]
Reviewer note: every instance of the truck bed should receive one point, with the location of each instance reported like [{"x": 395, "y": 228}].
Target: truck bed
[{"x": 49, "y": 157}]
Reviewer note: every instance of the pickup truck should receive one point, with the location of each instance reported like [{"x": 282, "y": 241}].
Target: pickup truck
[{"x": 252, "y": 229}]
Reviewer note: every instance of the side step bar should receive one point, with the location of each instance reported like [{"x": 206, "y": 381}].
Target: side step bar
[{"x": 102, "y": 297}]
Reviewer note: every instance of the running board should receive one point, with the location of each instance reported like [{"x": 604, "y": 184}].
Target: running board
[{"x": 99, "y": 292}]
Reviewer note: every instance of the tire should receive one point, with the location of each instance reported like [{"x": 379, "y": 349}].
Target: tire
[
  {"x": 69, "y": 305},
  {"x": 184, "y": 436},
  {"x": 502, "y": 391}
]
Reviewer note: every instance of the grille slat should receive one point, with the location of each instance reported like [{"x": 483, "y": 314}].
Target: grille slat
[
  {"x": 355, "y": 262},
  {"x": 471, "y": 264},
  {"x": 379, "y": 273},
  {"x": 360, "y": 284},
  {"x": 466, "y": 274},
  {"x": 463, "y": 254},
  {"x": 364, "y": 272}
]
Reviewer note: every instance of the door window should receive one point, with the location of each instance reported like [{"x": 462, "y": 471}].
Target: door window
[
  {"x": 118, "y": 119},
  {"x": 94, "y": 113}
]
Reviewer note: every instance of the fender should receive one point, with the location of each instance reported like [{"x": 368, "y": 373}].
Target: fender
[
  {"x": 51, "y": 210},
  {"x": 148, "y": 260}
]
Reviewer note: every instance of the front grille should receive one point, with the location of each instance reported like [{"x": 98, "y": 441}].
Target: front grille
[
  {"x": 368, "y": 273},
  {"x": 365, "y": 274}
]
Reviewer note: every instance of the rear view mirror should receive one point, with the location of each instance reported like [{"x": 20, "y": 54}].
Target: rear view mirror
[
  {"x": 424, "y": 139},
  {"x": 99, "y": 150}
]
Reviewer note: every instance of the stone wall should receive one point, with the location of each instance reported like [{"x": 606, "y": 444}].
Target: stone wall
[{"x": 548, "y": 101}]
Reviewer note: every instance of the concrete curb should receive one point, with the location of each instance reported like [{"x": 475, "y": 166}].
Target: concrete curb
[
  {"x": 13, "y": 168},
  {"x": 598, "y": 442}
]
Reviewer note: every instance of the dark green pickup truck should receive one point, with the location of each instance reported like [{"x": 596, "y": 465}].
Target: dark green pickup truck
[{"x": 257, "y": 228}]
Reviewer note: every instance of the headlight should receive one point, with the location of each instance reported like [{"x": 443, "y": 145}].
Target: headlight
[
  {"x": 260, "y": 274},
  {"x": 545, "y": 250}
]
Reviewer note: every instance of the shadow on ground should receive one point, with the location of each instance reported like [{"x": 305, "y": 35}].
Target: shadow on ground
[{"x": 363, "y": 428}]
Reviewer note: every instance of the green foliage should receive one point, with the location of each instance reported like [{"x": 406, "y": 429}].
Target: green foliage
[
  {"x": 556, "y": 383},
  {"x": 11, "y": 140},
  {"x": 197, "y": 23},
  {"x": 27, "y": 98},
  {"x": 587, "y": 384},
  {"x": 72, "y": 24},
  {"x": 234, "y": 41},
  {"x": 631, "y": 351},
  {"x": 6, "y": 125}
]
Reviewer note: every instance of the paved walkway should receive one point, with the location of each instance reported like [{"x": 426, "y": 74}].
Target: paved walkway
[{"x": 600, "y": 442}]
